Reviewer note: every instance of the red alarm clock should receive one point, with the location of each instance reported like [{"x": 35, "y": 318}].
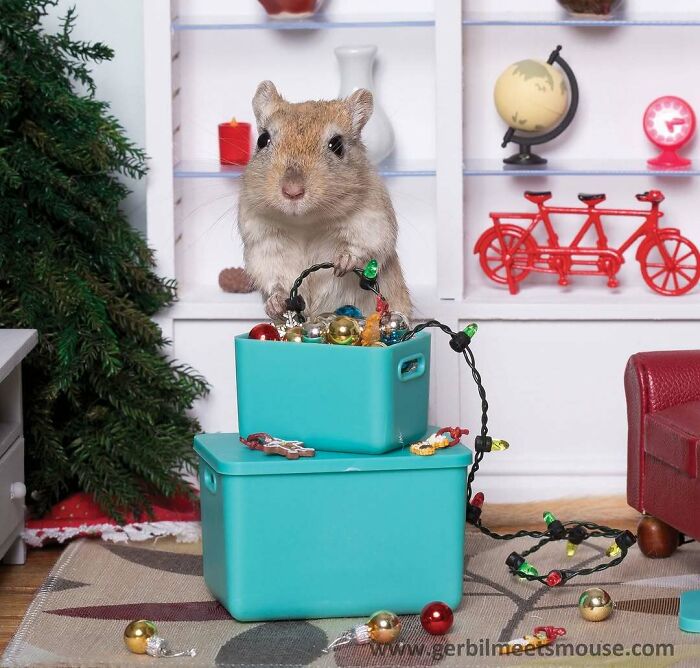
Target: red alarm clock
[{"x": 669, "y": 123}]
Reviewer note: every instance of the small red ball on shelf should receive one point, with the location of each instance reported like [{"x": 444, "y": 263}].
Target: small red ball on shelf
[
  {"x": 436, "y": 618},
  {"x": 264, "y": 332}
]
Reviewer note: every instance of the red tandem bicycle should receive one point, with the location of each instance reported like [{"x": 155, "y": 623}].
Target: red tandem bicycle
[{"x": 670, "y": 263}]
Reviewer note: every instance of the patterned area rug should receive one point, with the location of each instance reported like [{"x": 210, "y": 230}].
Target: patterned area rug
[{"x": 79, "y": 615}]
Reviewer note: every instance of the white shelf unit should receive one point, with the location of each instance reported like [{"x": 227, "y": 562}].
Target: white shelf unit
[{"x": 552, "y": 358}]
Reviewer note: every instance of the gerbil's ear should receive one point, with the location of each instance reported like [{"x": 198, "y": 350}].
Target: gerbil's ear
[
  {"x": 360, "y": 105},
  {"x": 265, "y": 101}
]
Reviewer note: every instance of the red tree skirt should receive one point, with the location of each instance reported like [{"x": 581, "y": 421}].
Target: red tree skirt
[{"x": 79, "y": 516}]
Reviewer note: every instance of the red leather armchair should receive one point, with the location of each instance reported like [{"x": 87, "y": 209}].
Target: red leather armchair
[{"x": 663, "y": 457}]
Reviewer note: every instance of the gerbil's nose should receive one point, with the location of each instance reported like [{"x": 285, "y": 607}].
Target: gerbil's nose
[
  {"x": 293, "y": 183},
  {"x": 293, "y": 190}
]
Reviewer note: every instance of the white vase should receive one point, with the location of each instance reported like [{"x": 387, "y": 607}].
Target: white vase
[{"x": 356, "y": 65}]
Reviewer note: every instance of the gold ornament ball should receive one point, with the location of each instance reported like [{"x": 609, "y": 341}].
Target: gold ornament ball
[
  {"x": 136, "y": 635},
  {"x": 343, "y": 331},
  {"x": 384, "y": 627},
  {"x": 294, "y": 335},
  {"x": 595, "y": 605}
]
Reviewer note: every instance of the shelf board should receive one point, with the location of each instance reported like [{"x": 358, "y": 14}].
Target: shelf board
[
  {"x": 495, "y": 167},
  {"x": 586, "y": 299},
  {"x": 532, "y": 19},
  {"x": 316, "y": 22},
  {"x": 212, "y": 169}
]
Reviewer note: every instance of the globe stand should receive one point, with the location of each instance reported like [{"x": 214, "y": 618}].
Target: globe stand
[{"x": 525, "y": 157}]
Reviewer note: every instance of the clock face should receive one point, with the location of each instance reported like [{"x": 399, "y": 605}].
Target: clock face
[{"x": 669, "y": 122}]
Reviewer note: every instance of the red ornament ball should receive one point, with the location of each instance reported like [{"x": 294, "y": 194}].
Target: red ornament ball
[
  {"x": 264, "y": 332},
  {"x": 436, "y": 618}
]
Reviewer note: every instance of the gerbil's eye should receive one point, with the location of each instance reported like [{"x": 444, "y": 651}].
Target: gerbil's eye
[
  {"x": 264, "y": 140},
  {"x": 336, "y": 145}
]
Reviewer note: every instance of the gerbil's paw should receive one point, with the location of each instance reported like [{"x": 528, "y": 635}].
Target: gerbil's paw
[
  {"x": 276, "y": 304},
  {"x": 345, "y": 263}
]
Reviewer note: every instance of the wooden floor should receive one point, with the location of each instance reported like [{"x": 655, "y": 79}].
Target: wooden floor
[{"x": 18, "y": 584}]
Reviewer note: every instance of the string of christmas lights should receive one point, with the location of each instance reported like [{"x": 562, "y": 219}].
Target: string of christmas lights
[{"x": 574, "y": 532}]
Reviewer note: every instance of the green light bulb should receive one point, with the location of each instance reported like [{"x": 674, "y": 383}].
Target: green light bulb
[
  {"x": 548, "y": 518},
  {"x": 471, "y": 329},
  {"x": 371, "y": 270},
  {"x": 528, "y": 569}
]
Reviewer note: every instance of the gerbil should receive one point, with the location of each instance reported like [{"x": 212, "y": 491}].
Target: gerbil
[{"x": 310, "y": 195}]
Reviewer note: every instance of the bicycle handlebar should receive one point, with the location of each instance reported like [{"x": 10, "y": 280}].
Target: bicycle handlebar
[{"x": 652, "y": 196}]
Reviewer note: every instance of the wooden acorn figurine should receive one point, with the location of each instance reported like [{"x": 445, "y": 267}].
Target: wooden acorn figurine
[{"x": 656, "y": 539}]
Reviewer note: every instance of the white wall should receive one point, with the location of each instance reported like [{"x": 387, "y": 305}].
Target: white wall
[{"x": 119, "y": 24}]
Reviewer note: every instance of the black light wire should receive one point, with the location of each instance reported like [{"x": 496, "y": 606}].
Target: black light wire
[{"x": 460, "y": 342}]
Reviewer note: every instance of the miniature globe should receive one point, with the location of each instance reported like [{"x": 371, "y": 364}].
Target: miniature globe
[{"x": 532, "y": 96}]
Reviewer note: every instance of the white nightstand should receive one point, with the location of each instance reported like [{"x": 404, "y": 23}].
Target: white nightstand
[{"x": 15, "y": 344}]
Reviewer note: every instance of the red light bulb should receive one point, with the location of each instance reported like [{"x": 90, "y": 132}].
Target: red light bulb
[
  {"x": 477, "y": 500},
  {"x": 554, "y": 578}
]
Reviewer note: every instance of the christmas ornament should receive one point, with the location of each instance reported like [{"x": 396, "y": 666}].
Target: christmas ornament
[
  {"x": 314, "y": 331},
  {"x": 141, "y": 637},
  {"x": 595, "y": 605},
  {"x": 343, "y": 331},
  {"x": 437, "y": 618},
  {"x": 294, "y": 334},
  {"x": 349, "y": 310},
  {"x": 370, "y": 333},
  {"x": 289, "y": 320},
  {"x": 383, "y": 627},
  {"x": 541, "y": 636},
  {"x": 264, "y": 332},
  {"x": 445, "y": 438},
  {"x": 277, "y": 446},
  {"x": 393, "y": 325},
  {"x": 326, "y": 317}
]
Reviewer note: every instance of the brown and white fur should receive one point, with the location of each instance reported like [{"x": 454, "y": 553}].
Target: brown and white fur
[{"x": 302, "y": 203}]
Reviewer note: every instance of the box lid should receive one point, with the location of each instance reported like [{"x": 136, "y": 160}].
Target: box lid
[
  {"x": 689, "y": 614},
  {"x": 227, "y": 455}
]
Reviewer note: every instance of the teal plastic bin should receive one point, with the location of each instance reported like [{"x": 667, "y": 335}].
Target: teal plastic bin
[
  {"x": 337, "y": 398},
  {"x": 335, "y": 535}
]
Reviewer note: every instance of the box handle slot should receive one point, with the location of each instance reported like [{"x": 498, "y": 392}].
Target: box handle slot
[
  {"x": 209, "y": 480},
  {"x": 411, "y": 367}
]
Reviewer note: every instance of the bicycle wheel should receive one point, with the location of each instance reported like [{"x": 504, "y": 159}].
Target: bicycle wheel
[
  {"x": 494, "y": 248},
  {"x": 671, "y": 265}
]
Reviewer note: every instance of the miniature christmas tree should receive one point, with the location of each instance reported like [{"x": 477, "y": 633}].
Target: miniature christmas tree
[{"x": 105, "y": 409}]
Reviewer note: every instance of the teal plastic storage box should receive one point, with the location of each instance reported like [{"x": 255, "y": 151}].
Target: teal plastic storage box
[
  {"x": 337, "y": 398},
  {"x": 333, "y": 535}
]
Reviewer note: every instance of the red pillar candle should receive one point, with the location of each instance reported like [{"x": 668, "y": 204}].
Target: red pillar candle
[{"x": 234, "y": 143}]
